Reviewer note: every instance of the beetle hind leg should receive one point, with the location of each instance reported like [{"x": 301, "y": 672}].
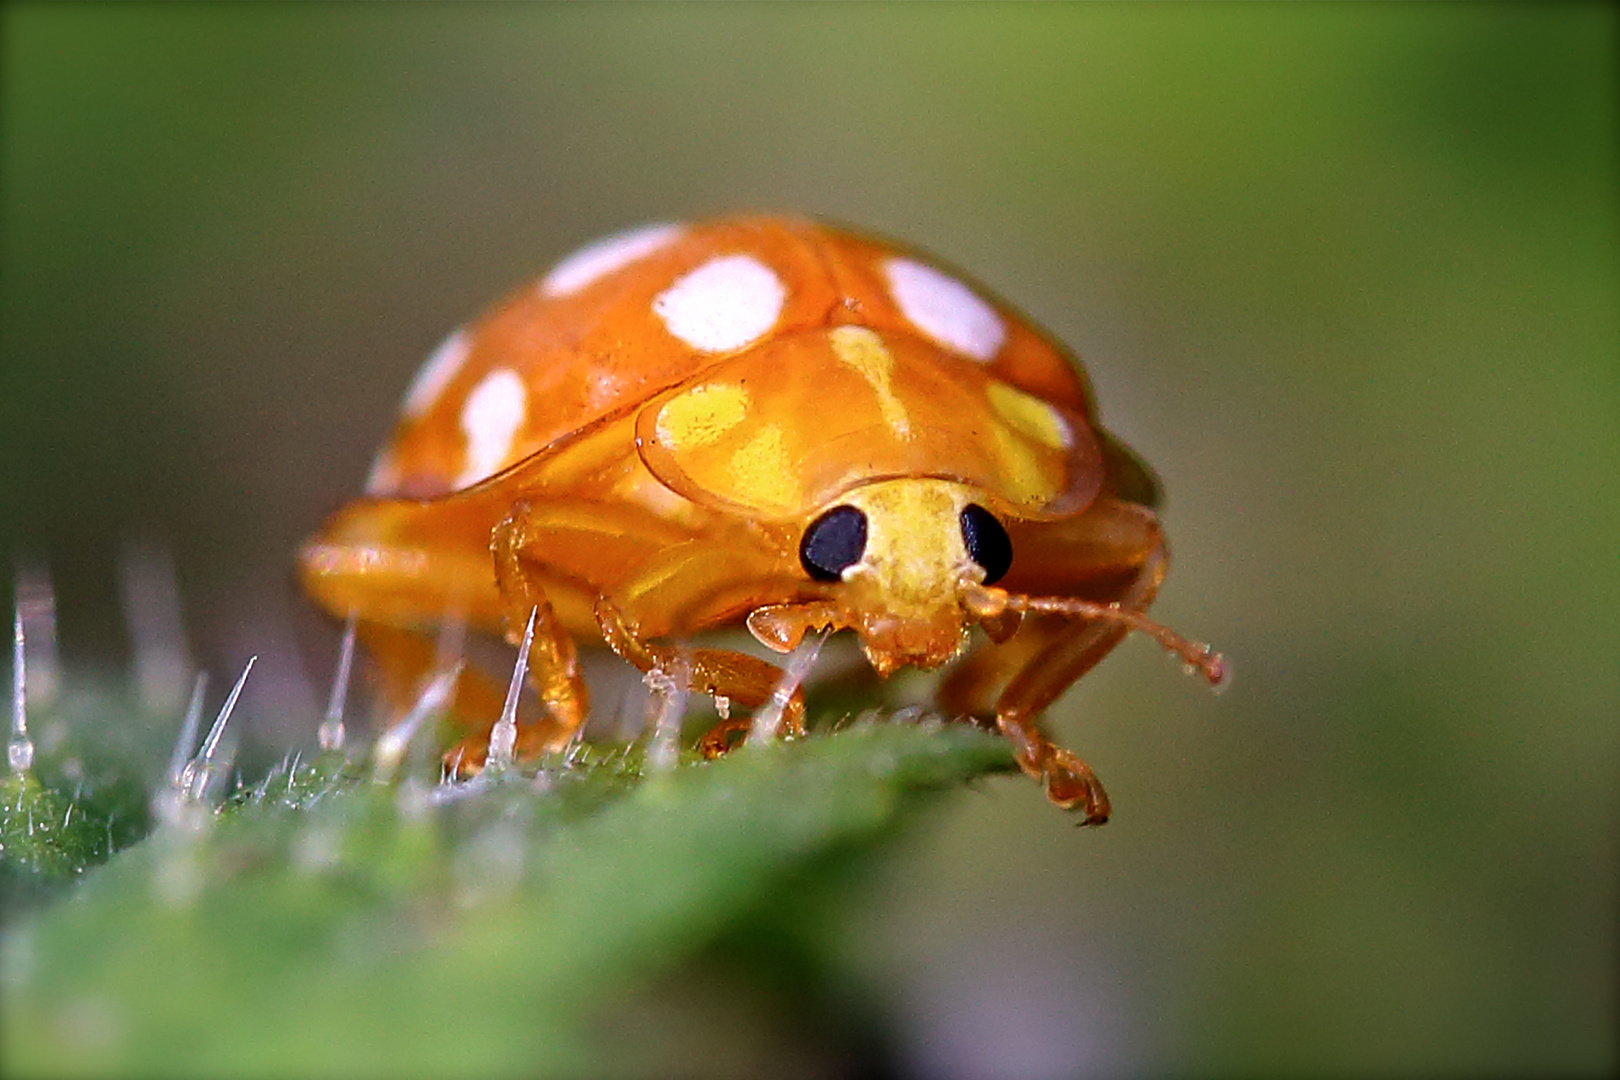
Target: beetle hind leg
[{"x": 405, "y": 660}]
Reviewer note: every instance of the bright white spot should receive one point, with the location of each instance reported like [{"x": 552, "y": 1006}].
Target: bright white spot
[
  {"x": 490, "y": 419},
  {"x": 596, "y": 260},
  {"x": 384, "y": 474},
  {"x": 945, "y": 309},
  {"x": 724, "y": 304},
  {"x": 437, "y": 372}
]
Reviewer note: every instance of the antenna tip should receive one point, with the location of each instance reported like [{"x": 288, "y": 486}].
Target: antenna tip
[{"x": 1217, "y": 672}]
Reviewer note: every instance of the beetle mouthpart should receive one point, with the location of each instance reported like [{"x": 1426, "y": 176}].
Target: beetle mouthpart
[
  {"x": 1199, "y": 659},
  {"x": 891, "y": 643},
  {"x": 782, "y": 626}
]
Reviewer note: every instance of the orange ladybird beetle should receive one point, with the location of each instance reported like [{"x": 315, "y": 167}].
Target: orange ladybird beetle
[{"x": 761, "y": 421}]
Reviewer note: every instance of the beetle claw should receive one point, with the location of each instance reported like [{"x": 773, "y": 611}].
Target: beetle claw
[
  {"x": 724, "y": 737},
  {"x": 1071, "y": 785}
]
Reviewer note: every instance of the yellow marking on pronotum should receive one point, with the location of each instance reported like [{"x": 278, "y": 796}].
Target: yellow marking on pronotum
[
  {"x": 762, "y": 475},
  {"x": 1028, "y": 479},
  {"x": 864, "y": 351},
  {"x": 1031, "y": 416},
  {"x": 702, "y": 415}
]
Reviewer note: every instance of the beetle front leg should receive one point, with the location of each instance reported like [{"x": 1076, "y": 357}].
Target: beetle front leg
[
  {"x": 1115, "y": 554},
  {"x": 1070, "y": 652},
  {"x": 1069, "y": 781},
  {"x": 720, "y": 673}
]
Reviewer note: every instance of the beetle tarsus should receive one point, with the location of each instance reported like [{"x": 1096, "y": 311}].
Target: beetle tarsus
[{"x": 1069, "y": 782}]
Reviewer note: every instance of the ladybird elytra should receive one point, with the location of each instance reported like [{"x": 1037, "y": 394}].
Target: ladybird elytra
[{"x": 762, "y": 422}]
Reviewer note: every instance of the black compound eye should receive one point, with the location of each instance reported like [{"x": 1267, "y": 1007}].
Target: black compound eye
[
  {"x": 833, "y": 541},
  {"x": 987, "y": 542}
]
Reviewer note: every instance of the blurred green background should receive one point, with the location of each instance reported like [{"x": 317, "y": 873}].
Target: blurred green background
[{"x": 1347, "y": 275}]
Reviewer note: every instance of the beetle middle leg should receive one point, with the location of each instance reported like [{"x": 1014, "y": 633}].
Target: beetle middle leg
[
  {"x": 543, "y": 550},
  {"x": 675, "y": 584},
  {"x": 553, "y": 657}
]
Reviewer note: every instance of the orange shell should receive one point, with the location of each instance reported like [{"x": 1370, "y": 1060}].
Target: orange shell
[{"x": 610, "y": 330}]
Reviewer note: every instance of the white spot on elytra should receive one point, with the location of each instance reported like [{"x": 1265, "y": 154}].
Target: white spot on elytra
[
  {"x": 437, "y": 372},
  {"x": 384, "y": 474},
  {"x": 945, "y": 309},
  {"x": 724, "y": 304},
  {"x": 490, "y": 419},
  {"x": 600, "y": 258}
]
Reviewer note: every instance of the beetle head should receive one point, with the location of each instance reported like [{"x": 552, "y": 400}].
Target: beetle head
[{"x": 899, "y": 554}]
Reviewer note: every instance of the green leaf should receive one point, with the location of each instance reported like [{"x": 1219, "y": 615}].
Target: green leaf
[{"x": 324, "y": 923}]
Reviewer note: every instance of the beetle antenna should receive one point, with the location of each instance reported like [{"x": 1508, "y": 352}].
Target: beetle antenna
[{"x": 1198, "y": 658}]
